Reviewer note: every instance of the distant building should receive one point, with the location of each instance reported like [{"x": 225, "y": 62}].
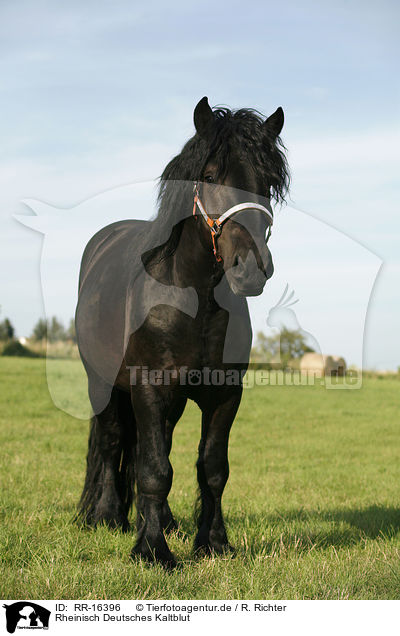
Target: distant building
[{"x": 323, "y": 364}]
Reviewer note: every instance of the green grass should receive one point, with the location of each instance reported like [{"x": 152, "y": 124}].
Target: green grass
[{"x": 312, "y": 503}]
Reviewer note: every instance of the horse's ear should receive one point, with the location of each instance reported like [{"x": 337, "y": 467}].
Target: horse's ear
[
  {"x": 274, "y": 124},
  {"x": 203, "y": 118}
]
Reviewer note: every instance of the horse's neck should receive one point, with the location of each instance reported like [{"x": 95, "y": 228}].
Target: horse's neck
[{"x": 193, "y": 264}]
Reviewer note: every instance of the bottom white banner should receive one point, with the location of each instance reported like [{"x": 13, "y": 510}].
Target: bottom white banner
[{"x": 180, "y": 616}]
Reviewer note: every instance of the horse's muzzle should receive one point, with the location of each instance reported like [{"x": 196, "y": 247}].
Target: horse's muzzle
[{"x": 247, "y": 279}]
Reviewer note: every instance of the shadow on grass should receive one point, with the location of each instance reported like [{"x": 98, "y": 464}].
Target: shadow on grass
[
  {"x": 300, "y": 531},
  {"x": 316, "y": 529}
]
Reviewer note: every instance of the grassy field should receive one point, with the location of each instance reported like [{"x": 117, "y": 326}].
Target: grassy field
[{"x": 312, "y": 504}]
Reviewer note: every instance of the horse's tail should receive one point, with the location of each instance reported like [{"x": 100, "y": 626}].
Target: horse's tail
[
  {"x": 93, "y": 482},
  {"x": 124, "y": 435}
]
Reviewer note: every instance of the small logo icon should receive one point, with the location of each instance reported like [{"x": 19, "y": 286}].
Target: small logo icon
[{"x": 26, "y": 615}]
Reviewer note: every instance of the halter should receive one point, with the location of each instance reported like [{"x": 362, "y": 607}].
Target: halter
[{"x": 215, "y": 225}]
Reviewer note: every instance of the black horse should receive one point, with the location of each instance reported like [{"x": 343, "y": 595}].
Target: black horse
[{"x": 162, "y": 317}]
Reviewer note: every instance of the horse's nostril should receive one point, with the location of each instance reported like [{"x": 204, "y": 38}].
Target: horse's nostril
[{"x": 236, "y": 261}]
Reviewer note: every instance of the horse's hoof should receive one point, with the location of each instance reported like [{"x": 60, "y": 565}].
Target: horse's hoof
[
  {"x": 113, "y": 520},
  {"x": 170, "y": 526},
  {"x": 216, "y": 549},
  {"x": 163, "y": 557},
  {"x": 117, "y": 524},
  {"x": 168, "y": 523}
]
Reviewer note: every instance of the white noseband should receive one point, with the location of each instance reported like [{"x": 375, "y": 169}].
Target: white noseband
[{"x": 215, "y": 224}]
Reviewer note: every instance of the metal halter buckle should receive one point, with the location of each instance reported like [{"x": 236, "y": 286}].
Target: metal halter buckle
[{"x": 216, "y": 229}]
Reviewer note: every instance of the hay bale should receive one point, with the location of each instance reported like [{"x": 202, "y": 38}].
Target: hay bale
[
  {"x": 320, "y": 364},
  {"x": 340, "y": 366}
]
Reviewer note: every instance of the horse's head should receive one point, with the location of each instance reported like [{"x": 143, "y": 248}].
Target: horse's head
[{"x": 243, "y": 168}]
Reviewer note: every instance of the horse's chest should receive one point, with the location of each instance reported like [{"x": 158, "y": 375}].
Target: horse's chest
[
  {"x": 212, "y": 338},
  {"x": 229, "y": 344}
]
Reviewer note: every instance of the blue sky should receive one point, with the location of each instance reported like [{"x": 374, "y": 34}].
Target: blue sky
[{"x": 98, "y": 94}]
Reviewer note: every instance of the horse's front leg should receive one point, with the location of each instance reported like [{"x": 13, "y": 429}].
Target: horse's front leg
[
  {"x": 153, "y": 474},
  {"x": 177, "y": 407},
  {"x": 213, "y": 471}
]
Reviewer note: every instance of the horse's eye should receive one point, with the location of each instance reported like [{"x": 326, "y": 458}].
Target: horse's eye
[{"x": 209, "y": 179}]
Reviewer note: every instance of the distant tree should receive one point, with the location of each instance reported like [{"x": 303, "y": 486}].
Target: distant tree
[
  {"x": 292, "y": 345},
  {"x": 53, "y": 330},
  {"x": 56, "y": 330},
  {"x": 70, "y": 332},
  {"x": 280, "y": 348},
  {"x": 262, "y": 350},
  {"x": 40, "y": 330},
  {"x": 7, "y": 331}
]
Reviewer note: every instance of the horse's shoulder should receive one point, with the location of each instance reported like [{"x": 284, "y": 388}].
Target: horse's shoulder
[{"x": 105, "y": 238}]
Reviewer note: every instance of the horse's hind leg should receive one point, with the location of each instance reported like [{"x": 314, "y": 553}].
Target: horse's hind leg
[
  {"x": 213, "y": 472},
  {"x": 108, "y": 489}
]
